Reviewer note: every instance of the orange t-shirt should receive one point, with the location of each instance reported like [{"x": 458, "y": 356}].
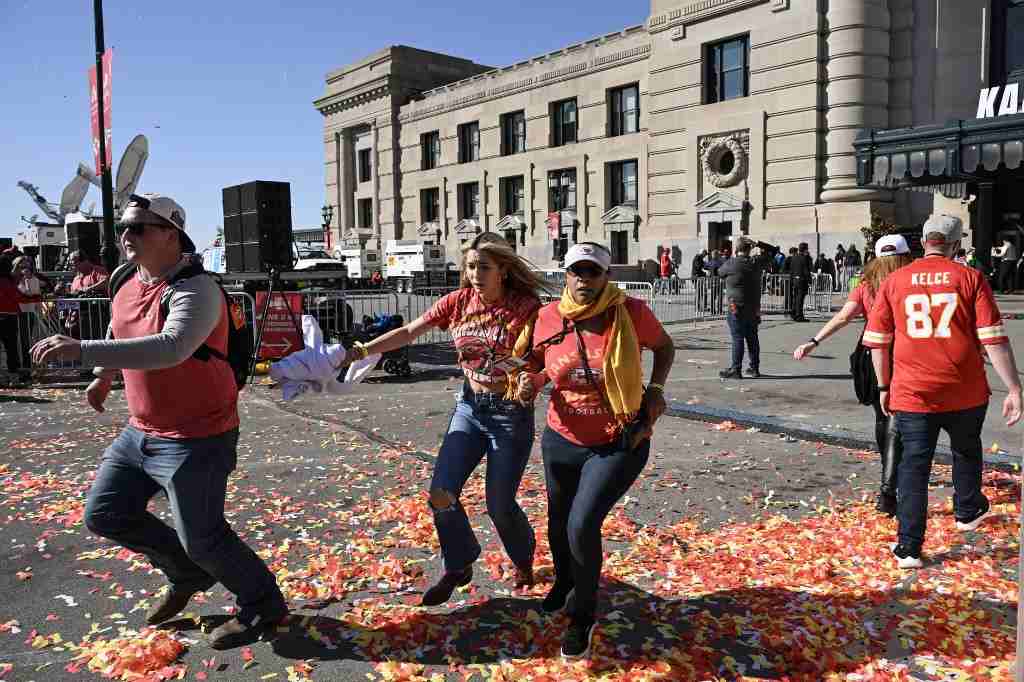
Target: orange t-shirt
[
  {"x": 937, "y": 314},
  {"x": 577, "y": 411}
]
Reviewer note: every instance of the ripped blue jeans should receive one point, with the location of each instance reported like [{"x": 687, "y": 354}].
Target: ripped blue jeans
[{"x": 484, "y": 424}]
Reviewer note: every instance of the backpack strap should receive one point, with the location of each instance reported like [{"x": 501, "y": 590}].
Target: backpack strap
[
  {"x": 122, "y": 273},
  {"x": 193, "y": 269}
]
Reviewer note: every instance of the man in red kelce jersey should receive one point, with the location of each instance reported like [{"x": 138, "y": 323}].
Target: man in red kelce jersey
[{"x": 935, "y": 316}]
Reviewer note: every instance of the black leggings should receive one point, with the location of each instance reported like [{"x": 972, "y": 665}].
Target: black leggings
[{"x": 584, "y": 483}]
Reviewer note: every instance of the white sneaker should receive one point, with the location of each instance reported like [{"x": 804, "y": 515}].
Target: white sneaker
[
  {"x": 973, "y": 525},
  {"x": 908, "y": 561}
]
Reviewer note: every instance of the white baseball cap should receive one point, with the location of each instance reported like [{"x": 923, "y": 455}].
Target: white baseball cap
[
  {"x": 161, "y": 210},
  {"x": 588, "y": 251},
  {"x": 891, "y": 245}
]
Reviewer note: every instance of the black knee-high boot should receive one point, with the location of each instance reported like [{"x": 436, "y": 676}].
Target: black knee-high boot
[{"x": 892, "y": 453}]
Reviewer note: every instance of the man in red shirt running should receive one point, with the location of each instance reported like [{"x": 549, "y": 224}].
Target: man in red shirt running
[{"x": 935, "y": 316}]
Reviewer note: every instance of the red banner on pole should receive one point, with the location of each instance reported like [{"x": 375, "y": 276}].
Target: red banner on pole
[
  {"x": 554, "y": 225},
  {"x": 279, "y": 334},
  {"x": 94, "y": 112}
]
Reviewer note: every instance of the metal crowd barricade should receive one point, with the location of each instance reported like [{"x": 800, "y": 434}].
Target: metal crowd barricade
[
  {"x": 420, "y": 301},
  {"x": 366, "y": 303},
  {"x": 80, "y": 318}
]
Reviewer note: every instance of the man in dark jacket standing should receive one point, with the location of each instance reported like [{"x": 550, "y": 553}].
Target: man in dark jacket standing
[
  {"x": 800, "y": 268},
  {"x": 743, "y": 291}
]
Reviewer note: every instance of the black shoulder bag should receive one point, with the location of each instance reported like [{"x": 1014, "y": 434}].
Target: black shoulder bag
[{"x": 865, "y": 383}]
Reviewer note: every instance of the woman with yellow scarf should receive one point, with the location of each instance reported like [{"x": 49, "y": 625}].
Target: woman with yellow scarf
[{"x": 600, "y": 420}]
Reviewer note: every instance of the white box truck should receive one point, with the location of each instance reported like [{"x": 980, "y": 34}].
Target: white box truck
[
  {"x": 47, "y": 243},
  {"x": 410, "y": 264},
  {"x": 361, "y": 264}
]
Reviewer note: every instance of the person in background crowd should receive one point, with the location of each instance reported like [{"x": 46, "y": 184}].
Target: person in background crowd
[
  {"x": 665, "y": 270},
  {"x": 698, "y": 273},
  {"x": 743, "y": 292},
  {"x": 1007, "y": 269},
  {"x": 11, "y": 300},
  {"x": 31, "y": 284},
  {"x": 376, "y": 279},
  {"x": 926, "y": 329},
  {"x": 821, "y": 264},
  {"x": 802, "y": 270},
  {"x": 498, "y": 299},
  {"x": 852, "y": 261},
  {"x": 697, "y": 265},
  {"x": 892, "y": 254},
  {"x": 600, "y": 421},
  {"x": 90, "y": 279},
  {"x": 182, "y": 437},
  {"x": 961, "y": 257},
  {"x": 972, "y": 259}
]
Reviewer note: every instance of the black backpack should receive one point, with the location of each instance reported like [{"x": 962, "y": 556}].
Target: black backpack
[{"x": 239, "y": 332}]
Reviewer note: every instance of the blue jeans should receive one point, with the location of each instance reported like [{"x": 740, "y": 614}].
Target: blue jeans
[
  {"x": 202, "y": 549},
  {"x": 484, "y": 424},
  {"x": 743, "y": 327},
  {"x": 584, "y": 484},
  {"x": 920, "y": 433}
]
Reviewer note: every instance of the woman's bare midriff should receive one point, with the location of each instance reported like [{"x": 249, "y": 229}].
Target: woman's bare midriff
[{"x": 477, "y": 387}]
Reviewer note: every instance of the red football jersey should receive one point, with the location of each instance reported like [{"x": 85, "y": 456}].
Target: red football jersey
[{"x": 936, "y": 314}]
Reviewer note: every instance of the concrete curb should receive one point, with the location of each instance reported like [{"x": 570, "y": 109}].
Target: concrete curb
[{"x": 843, "y": 437}]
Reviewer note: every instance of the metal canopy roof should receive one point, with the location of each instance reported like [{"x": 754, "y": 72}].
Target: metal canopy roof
[{"x": 959, "y": 151}]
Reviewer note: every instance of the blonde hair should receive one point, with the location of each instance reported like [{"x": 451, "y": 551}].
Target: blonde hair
[
  {"x": 881, "y": 267},
  {"x": 519, "y": 276}
]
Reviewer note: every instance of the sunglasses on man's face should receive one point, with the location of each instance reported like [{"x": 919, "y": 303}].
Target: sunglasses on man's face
[
  {"x": 133, "y": 228},
  {"x": 586, "y": 270}
]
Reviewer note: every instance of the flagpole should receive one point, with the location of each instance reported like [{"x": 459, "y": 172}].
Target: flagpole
[{"x": 108, "y": 253}]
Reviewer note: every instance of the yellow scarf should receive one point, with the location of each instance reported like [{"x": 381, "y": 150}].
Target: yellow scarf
[{"x": 623, "y": 379}]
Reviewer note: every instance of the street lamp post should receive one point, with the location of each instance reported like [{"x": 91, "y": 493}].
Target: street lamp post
[
  {"x": 327, "y": 213},
  {"x": 109, "y": 251}
]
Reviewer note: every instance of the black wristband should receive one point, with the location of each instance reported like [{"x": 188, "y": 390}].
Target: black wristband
[
  {"x": 883, "y": 388},
  {"x": 815, "y": 342}
]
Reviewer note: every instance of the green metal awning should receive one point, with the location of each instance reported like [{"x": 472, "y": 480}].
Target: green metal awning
[{"x": 940, "y": 155}]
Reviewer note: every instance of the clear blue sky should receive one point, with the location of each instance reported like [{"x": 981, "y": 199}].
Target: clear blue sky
[{"x": 223, "y": 89}]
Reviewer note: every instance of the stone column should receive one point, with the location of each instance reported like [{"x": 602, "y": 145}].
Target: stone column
[
  {"x": 901, "y": 97},
  {"x": 346, "y": 203},
  {"x": 857, "y": 90}
]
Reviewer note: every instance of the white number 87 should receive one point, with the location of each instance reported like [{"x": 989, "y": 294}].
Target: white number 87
[{"x": 919, "y": 315}]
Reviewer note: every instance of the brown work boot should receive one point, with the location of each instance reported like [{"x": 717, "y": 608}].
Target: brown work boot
[
  {"x": 172, "y": 603},
  {"x": 235, "y": 633}
]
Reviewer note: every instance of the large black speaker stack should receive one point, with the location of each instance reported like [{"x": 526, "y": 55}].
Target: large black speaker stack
[
  {"x": 84, "y": 236},
  {"x": 258, "y": 226}
]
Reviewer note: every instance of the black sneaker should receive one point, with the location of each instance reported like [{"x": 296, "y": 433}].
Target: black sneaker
[
  {"x": 753, "y": 373},
  {"x": 731, "y": 373},
  {"x": 557, "y": 598},
  {"x": 886, "y": 504},
  {"x": 441, "y": 591},
  {"x": 578, "y": 638},
  {"x": 976, "y": 520},
  {"x": 906, "y": 557}
]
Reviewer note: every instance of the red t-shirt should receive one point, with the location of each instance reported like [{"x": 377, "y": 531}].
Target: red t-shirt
[
  {"x": 862, "y": 294},
  {"x": 577, "y": 411},
  {"x": 82, "y": 282},
  {"x": 484, "y": 335},
  {"x": 937, "y": 314},
  {"x": 194, "y": 399}
]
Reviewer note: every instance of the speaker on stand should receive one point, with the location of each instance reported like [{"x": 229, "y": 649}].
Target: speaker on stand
[{"x": 258, "y": 227}]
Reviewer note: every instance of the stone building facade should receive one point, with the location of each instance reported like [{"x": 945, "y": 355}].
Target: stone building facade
[{"x": 714, "y": 118}]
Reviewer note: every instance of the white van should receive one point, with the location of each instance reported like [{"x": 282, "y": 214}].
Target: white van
[{"x": 360, "y": 264}]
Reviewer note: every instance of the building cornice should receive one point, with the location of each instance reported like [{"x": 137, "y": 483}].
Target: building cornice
[
  {"x": 702, "y": 10},
  {"x": 560, "y": 70},
  {"x": 367, "y": 92}
]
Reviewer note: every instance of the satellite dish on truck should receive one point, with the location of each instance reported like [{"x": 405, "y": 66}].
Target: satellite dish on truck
[
  {"x": 71, "y": 198},
  {"x": 130, "y": 170}
]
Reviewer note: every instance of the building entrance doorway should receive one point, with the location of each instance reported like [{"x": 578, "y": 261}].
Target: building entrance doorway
[
  {"x": 719, "y": 236},
  {"x": 620, "y": 247}
]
